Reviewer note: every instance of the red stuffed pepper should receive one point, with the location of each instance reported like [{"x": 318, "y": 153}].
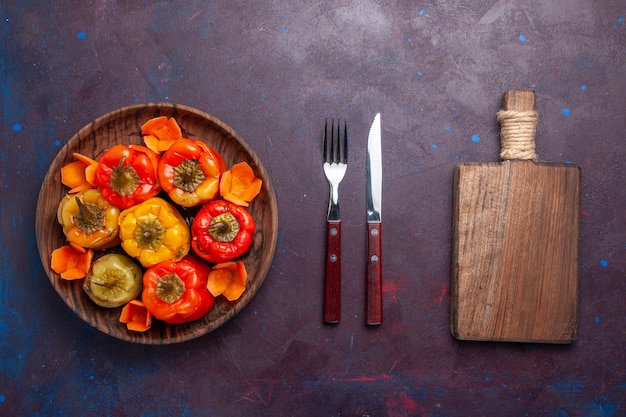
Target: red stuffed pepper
[
  {"x": 222, "y": 231},
  {"x": 176, "y": 292},
  {"x": 189, "y": 171},
  {"x": 126, "y": 175}
]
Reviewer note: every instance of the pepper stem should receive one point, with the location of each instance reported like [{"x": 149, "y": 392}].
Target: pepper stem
[
  {"x": 124, "y": 179},
  {"x": 81, "y": 207},
  {"x": 188, "y": 175},
  {"x": 90, "y": 218},
  {"x": 218, "y": 228},
  {"x": 170, "y": 288},
  {"x": 149, "y": 234},
  {"x": 224, "y": 227}
]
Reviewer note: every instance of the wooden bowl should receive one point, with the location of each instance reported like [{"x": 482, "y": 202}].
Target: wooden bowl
[{"x": 123, "y": 126}]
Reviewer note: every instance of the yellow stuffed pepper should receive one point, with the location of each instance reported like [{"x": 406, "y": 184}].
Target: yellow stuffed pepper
[
  {"x": 88, "y": 220},
  {"x": 154, "y": 231}
]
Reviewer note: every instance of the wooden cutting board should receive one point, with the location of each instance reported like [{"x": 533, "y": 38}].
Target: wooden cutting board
[{"x": 515, "y": 239}]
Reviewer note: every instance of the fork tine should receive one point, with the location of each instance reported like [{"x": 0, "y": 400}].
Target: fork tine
[
  {"x": 335, "y": 142},
  {"x": 336, "y": 149},
  {"x": 338, "y": 156},
  {"x": 325, "y": 142},
  {"x": 345, "y": 142}
]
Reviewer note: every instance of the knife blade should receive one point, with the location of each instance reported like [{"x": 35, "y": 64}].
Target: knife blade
[{"x": 374, "y": 171}]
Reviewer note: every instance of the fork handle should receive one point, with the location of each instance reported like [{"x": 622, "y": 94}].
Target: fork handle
[
  {"x": 332, "y": 284},
  {"x": 374, "y": 290}
]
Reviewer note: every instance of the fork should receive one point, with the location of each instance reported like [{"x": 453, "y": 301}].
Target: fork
[{"x": 335, "y": 155}]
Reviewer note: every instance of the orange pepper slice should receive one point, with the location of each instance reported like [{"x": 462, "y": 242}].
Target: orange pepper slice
[
  {"x": 136, "y": 316},
  {"x": 79, "y": 175},
  {"x": 90, "y": 169},
  {"x": 73, "y": 174},
  {"x": 228, "y": 279},
  {"x": 71, "y": 263},
  {"x": 160, "y": 133},
  {"x": 239, "y": 184}
]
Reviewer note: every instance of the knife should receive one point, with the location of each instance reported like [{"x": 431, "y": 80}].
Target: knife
[{"x": 374, "y": 171}]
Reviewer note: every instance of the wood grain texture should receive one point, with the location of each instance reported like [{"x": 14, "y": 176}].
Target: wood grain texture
[
  {"x": 515, "y": 250},
  {"x": 124, "y": 127},
  {"x": 374, "y": 280},
  {"x": 332, "y": 280}
]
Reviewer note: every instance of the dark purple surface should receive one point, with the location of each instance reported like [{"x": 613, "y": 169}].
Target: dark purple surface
[{"x": 274, "y": 71}]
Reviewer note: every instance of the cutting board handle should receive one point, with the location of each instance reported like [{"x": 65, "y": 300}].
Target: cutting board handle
[{"x": 518, "y": 124}]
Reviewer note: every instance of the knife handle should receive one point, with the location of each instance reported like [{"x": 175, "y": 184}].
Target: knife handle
[
  {"x": 332, "y": 284},
  {"x": 374, "y": 298}
]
